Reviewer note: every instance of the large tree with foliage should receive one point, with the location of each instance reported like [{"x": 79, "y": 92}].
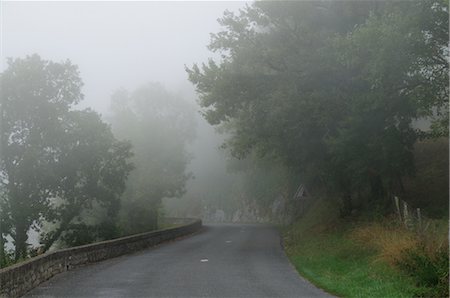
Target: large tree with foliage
[
  {"x": 53, "y": 158},
  {"x": 159, "y": 125},
  {"x": 35, "y": 95},
  {"x": 92, "y": 167},
  {"x": 329, "y": 88}
]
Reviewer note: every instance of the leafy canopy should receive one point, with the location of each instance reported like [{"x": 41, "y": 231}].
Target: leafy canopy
[
  {"x": 56, "y": 162},
  {"x": 330, "y": 89}
]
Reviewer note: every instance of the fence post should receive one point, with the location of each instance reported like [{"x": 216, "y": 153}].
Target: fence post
[
  {"x": 419, "y": 218},
  {"x": 405, "y": 214},
  {"x": 397, "y": 205}
]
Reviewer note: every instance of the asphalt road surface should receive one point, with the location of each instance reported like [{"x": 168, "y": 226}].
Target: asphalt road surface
[{"x": 219, "y": 261}]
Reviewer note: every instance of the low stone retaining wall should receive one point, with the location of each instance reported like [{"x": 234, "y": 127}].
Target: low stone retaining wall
[{"x": 20, "y": 278}]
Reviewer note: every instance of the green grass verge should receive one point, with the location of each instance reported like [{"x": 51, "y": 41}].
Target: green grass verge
[
  {"x": 338, "y": 266},
  {"x": 333, "y": 262}
]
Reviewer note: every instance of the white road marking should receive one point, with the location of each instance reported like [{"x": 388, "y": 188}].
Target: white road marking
[{"x": 204, "y": 260}]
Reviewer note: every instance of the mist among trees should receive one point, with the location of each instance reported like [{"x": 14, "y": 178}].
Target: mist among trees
[
  {"x": 330, "y": 90},
  {"x": 322, "y": 94},
  {"x": 159, "y": 125}
]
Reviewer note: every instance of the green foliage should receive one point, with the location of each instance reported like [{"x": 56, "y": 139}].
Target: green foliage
[
  {"x": 36, "y": 96},
  {"x": 159, "y": 125},
  {"x": 261, "y": 181},
  {"x": 428, "y": 261},
  {"x": 82, "y": 233},
  {"x": 7, "y": 259},
  {"x": 429, "y": 270},
  {"x": 56, "y": 163},
  {"x": 79, "y": 234},
  {"x": 428, "y": 188},
  {"x": 94, "y": 168},
  {"x": 330, "y": 89}
]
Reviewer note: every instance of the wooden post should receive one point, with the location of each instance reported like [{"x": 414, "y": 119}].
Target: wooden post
[
  {"x": 405, "y": 213},
  {"x": 419, "y": 218},
  {"x": 397, "y": 205}
]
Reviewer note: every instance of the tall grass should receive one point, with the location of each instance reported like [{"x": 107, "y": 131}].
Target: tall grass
[
  {"x": 422, "y": 255},
  {"x": 320, "y": 247},
  {"x": 370, "y": 258},
  {"x": 389, "y": 242}
]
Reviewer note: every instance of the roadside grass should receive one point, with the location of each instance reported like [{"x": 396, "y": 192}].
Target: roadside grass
[
  {"x": 327, "y": 252},
  {"x": 374, "y": 256},
  {"x": 337, "y": 265},
  {"x": 389, "y": 241}
]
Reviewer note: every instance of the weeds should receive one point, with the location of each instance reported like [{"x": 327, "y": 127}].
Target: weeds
[
  {"x": 430, "y": 271},
  {"x": 389, "y": 242},
  {"x": 423, "y": 256},
  {"x": 375, "y": 258}
]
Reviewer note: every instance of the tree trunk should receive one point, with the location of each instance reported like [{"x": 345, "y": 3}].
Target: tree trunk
[
  {"x": 2, "y": 251},
  {"x": 376, "y": 188},
  {"x": 20, "y": 239},
  {"x": 347, "y": 205}
]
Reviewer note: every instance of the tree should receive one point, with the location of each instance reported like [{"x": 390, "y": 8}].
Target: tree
[
  {"x": 159, "y": 125},
  {"x": 401, "y": 57},
  {"x": 329, "y": 88},
  {"x": 35, "y": 96},
  {"x": 93, "y": 168},
  {"x": 55, "y": 161}
]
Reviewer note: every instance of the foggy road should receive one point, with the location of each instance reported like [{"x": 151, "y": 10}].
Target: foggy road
[{"x": 220, "y": 261}]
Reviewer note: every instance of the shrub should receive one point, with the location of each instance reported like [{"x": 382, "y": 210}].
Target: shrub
[
  {"x": 428, "y": 268},
  {"x": 422, "y": 255}
]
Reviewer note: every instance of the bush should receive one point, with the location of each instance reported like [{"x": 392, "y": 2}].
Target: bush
[
  {"x": 8, "y": 259},
  {"x": 428, "y": 268},
  {"x": 423, "y": 256},
  {"x": 428, "y": 189}
]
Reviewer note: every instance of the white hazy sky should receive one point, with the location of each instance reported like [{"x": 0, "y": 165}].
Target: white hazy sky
[{"x": 115, "y": 44}]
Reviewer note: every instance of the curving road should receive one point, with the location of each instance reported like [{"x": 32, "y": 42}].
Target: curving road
[{"x": 220, "y": 261}]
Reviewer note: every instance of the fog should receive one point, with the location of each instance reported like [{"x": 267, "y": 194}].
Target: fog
[
  {"x": 121, "y": 45},
  {"x": 115, "y": 44},
  {"x": 117, "y": 117}
]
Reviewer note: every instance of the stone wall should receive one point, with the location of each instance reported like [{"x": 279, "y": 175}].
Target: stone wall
[{"x": 20, "y": 278}]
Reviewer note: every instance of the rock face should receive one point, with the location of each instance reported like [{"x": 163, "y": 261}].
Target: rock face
[
  {"x": 283, "y": 209},
  {"x": 20, "y": 278},
  {"x": 219, "y": 216},
  {"x": 248, "y": 214}
]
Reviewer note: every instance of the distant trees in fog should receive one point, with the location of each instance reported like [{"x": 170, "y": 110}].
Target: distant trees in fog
[{"x": 159, "y": 125}]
